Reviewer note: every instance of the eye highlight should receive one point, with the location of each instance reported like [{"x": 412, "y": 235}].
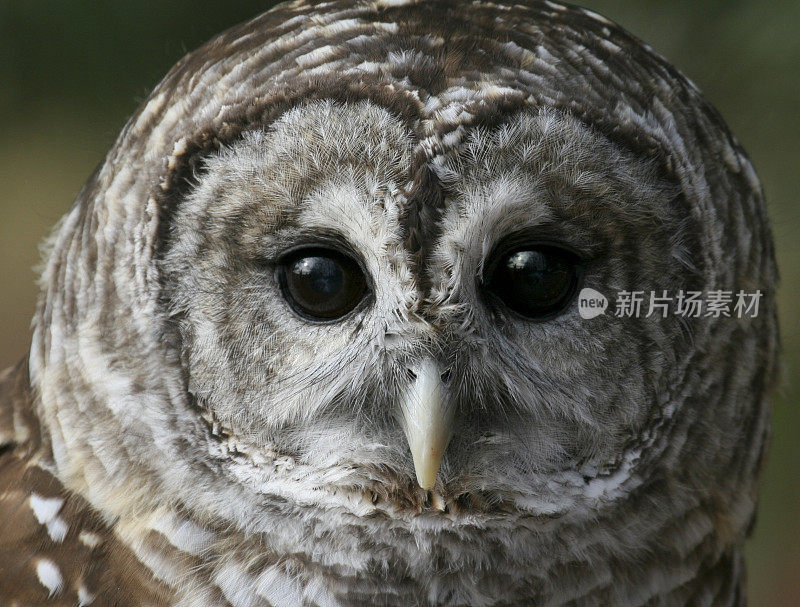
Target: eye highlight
[
  {"x": 535, "y": 281},
  {"x": 321, "y": 284}
]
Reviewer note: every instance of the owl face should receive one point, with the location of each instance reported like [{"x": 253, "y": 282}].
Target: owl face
[
  {"x": 393, "y": 322},
  {"x": 312, "y": 328}
]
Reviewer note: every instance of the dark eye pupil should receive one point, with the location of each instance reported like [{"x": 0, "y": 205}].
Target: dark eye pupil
[
  {"x": 535, "y": 282},
  {"x": 322, "y": 284},
  {"x": 318, "y": 276}
]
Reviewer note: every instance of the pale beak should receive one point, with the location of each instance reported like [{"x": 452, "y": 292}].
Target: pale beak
[{"x": 426, "y": 421}]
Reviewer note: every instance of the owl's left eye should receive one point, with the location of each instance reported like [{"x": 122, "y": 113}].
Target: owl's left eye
[
  {"x": 321, "y": 284},
  {"x": 535, "y": 281}
]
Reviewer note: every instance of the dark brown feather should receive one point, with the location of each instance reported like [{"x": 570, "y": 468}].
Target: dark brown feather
[{"x": 47, "y": 529}]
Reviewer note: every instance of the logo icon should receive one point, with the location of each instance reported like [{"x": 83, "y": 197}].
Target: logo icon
[{"x": 591, "y": 303}]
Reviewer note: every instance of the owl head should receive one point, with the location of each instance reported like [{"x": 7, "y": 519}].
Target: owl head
[{"x": 334, "y": 263}]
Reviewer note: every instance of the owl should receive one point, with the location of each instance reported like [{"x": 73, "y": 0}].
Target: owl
[{"x": 381, "y": 302}]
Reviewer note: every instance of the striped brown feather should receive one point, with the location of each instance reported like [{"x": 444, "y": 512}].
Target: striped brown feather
[{"x": 55, "y": 549}]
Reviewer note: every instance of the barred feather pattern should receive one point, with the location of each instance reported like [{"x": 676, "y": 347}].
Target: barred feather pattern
[{"x": 126, "y": 479}]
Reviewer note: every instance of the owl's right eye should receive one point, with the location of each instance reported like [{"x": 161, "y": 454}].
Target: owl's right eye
[{"x": 321, "y": 284}]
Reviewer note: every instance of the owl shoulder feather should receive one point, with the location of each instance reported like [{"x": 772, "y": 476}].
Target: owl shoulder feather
[{"x": 55, "y": 548}]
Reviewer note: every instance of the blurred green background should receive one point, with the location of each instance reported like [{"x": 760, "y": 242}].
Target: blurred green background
[{"x": 72, "y": 72}]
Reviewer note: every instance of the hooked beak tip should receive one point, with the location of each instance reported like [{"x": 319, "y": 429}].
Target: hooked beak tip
[{"x": 427, "y": 468}]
